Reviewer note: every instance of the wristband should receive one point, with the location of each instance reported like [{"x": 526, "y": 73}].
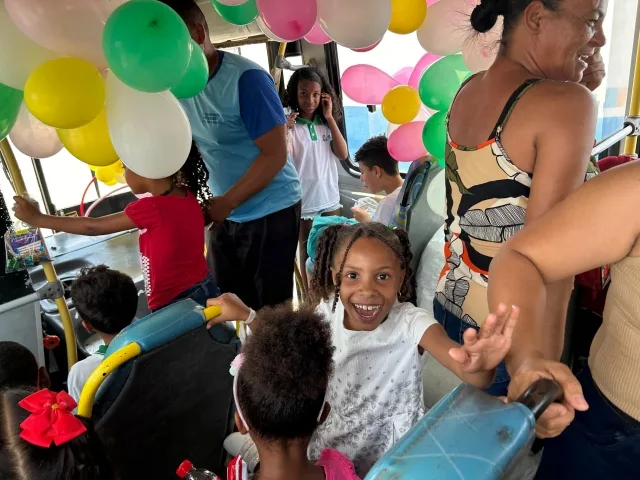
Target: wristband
[{"x": 251, "y": 318}]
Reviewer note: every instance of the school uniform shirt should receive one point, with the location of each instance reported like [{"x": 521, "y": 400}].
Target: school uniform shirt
[
  {"x": 171, "y": 245},
  {"x": 376, "y": 391},
  {"x": 310, "y": 148},
  {"x": 386, "y": 207},
  {"x": 80, "y": 372},
  {"x": 239, "y": 105}
]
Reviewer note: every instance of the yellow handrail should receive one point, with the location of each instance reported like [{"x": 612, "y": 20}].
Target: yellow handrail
[
  {"x": 100, "y": 374},
  {"x": 631, "y": 142},
  {"x": 47, "y": 267}
]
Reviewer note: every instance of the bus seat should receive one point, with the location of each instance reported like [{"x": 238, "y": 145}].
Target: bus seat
[
  {"x": 172, "y": 397},
  {"x": 429, "y": 269},
  {"x": 425, "y": 215},
  {"x": 411, "y": 189}
]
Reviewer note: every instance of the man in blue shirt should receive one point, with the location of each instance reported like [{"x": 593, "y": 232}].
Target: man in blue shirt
[{"x": 239, "y": 125}]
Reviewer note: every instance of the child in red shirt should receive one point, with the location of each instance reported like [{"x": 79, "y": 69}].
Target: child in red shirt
[{"x": 171, "y": 225}]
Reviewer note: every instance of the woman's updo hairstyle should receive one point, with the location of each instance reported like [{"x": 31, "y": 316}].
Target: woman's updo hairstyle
[{"x": 486, "y": 13}]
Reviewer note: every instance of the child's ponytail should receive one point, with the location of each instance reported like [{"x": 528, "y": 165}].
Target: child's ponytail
[
  {"x": 321, "y": 284},
  {"x": 195, "y": 176}
]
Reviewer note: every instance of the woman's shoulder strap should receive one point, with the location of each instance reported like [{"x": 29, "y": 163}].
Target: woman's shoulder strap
[{"x": 510, "y": 105}]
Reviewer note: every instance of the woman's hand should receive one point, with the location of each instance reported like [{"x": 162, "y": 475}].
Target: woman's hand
[
  {"x": 26, "y": 211},
  {"x": 594, "y": 74},
  {"x": 327, "y": 106},
  {"x": 484, "y": 350},
  {"x": 361, "y": 215},
  {"x": 233, "y": 309},
  {"x": 291, "y": 120},
  {"x": 559, "y": 415}
]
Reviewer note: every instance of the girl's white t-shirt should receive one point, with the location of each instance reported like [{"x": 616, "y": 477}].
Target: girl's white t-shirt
[
  {"x": 376, "y": 391},
  {"x": 310, "y": 149}
]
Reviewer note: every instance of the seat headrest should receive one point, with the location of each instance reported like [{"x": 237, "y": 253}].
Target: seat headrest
[{"x": 161, "y": 327}]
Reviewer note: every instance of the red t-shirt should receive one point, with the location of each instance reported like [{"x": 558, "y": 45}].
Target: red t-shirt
[{"x": 171, "y": 245}]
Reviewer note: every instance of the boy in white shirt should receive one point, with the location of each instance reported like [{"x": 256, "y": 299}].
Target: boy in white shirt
[
  {"x": 106, "y": 300},
  {"x": 379, "y": 173}
]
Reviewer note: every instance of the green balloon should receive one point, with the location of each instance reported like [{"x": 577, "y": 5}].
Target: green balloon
[
  {"x": 434, "y": 135},
  {"x": 441, "y": 81},
  {"x": 147, "y": 45},
  {"x": 196, "y": 76},
  {"x": 242, "y": 14},
  {"x": 10, "y": 101}
]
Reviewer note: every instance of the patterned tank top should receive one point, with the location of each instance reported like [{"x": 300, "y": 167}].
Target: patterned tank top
[{"x": 487, "y": 197}]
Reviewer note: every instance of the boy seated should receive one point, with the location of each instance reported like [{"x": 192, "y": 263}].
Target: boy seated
[
  {"x": 380, "y": 174},
  {"x": 19, "y": 368},
  {"x": 106, "y": 301}
]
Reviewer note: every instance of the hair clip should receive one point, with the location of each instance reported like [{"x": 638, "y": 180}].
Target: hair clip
[{"x": 51, "y": 419}]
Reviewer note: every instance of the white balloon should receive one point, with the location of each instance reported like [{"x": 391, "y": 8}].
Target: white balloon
[
  {"x": 32, "y": 137},
  {"x": 19, "y": 55},
  {"x": 149, "y": 131},
  {"x": 437, "y": 195},
  {"x": 263, "y": 27},
  {"x": 479, "y": 52},
  {"x": 423, "y": 116},
  {"x": 446, "y": 27},
  {"x": 355, "y": 23}
]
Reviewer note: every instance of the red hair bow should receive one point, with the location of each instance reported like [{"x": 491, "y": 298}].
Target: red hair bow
[{"x": 51, "y": 419}]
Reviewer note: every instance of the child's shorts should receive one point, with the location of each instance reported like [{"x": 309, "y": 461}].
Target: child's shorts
[
  {"x": 318, "y": 213},
  {"x": 200, "y": 292}
]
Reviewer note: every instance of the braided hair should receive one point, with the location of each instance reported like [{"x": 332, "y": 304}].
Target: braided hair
[
  {"x": 314, "y": 75},
  {"x": 336, "y": 236},
  {"x": 195, "y": 176}
]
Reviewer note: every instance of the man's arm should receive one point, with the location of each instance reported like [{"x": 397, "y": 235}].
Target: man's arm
[{"x": 263, "y": 116}]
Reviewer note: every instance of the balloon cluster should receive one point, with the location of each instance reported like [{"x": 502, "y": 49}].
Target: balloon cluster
[
  {"x": 416, "y": 99},
  {"x": 356, "y": 24},
  {"x": 54, "y": 59}
]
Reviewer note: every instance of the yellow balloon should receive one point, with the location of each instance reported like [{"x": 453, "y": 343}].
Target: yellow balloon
[
  {"x": 65, "y": 93},
  {"x": 117, "y": 168},
  {"x": 91, "y": 143},
  {"x": 106, "y": 175},
  {"x": 407, "y": 15},
  {"x": 401, "y": 104}
]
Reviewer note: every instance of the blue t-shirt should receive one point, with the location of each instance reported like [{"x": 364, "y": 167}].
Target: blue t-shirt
[{"x": 239, "y": 105}]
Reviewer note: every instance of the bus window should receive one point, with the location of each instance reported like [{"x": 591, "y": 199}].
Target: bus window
[{"x": 256, "y": 52}]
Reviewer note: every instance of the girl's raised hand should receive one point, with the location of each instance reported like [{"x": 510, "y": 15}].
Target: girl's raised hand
[
  {"x": 233, "y": 309},
  {"x": 483, "y": 351},
  {"x": 291, "y": 120},
  {"x": 26, "y": 211},
  {"x": 327, "y": 106}
]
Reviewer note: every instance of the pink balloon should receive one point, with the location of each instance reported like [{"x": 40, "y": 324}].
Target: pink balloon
[
  {"x": 68, "y": 27},
  {"x": 317, "y": 36},
  {"x": 366, "y": 84},
  {"x": 288, "y": 19},
  {"x": 405, "y": 143},
  {"x": 403, "y": 75},
  {"x": 367, "y": 49},
  {"x": 421, "y": 66},
  {"x": 429, "y": 2}
]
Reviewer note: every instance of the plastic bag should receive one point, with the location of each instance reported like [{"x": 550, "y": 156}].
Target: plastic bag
[
  {"x": 24, "y": 249},
  {"x": 367, "y": 204}
]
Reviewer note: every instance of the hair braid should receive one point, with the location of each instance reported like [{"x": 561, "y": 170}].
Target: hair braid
[
  {"x": 321, "y": 281},
  {"x": 357, "y": 234},
  {"x": 195, "y": 176}
]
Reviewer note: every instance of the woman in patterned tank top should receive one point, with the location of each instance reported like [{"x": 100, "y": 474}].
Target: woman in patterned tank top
[{"x": 519, "y": 141}]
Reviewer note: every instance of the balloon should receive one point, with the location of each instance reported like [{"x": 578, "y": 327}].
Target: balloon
[
  {"x": 405, "y": 144},
  {"x": 10, "y": 101},
  {"x": 441, "y": 81},
  {"x": 288, "y": 19},
  {"x": 446, "y": 27},
  {"x": 356, "y": 23},
  {"x": 90, "y": 143},
  {"x": 196, "y": 76},
  {"x": 106, "y": 176},
  {"x": 317, "y": 36},
  {"x": 401, "y": 104},
  {"x": 147, "y": 46},
  {"x": 479, "y": 52},
  {"x": 366, "y": 84},
  {"x": 242, "y": 14},
  {"x": 422, "y": 116},
  {"x": 421, "y": 66},
  {"x": 434, "y": 134},
  {"x": 367, "y": 49},
  {"x": 65, "y": 93},
  {"x": 19, "y": 55},
  {"x": 407, "y": 15},
  {"x": 72, "y": 28},
  {"x": 33, "y": 138},
  {"x": 264, "y": 29},
  {"x": 150, "y": 131},
  {"x": 403, "y": 75}
]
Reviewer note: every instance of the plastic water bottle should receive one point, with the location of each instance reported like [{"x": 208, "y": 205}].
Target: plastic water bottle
[{"x": 187, "y": 471}]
